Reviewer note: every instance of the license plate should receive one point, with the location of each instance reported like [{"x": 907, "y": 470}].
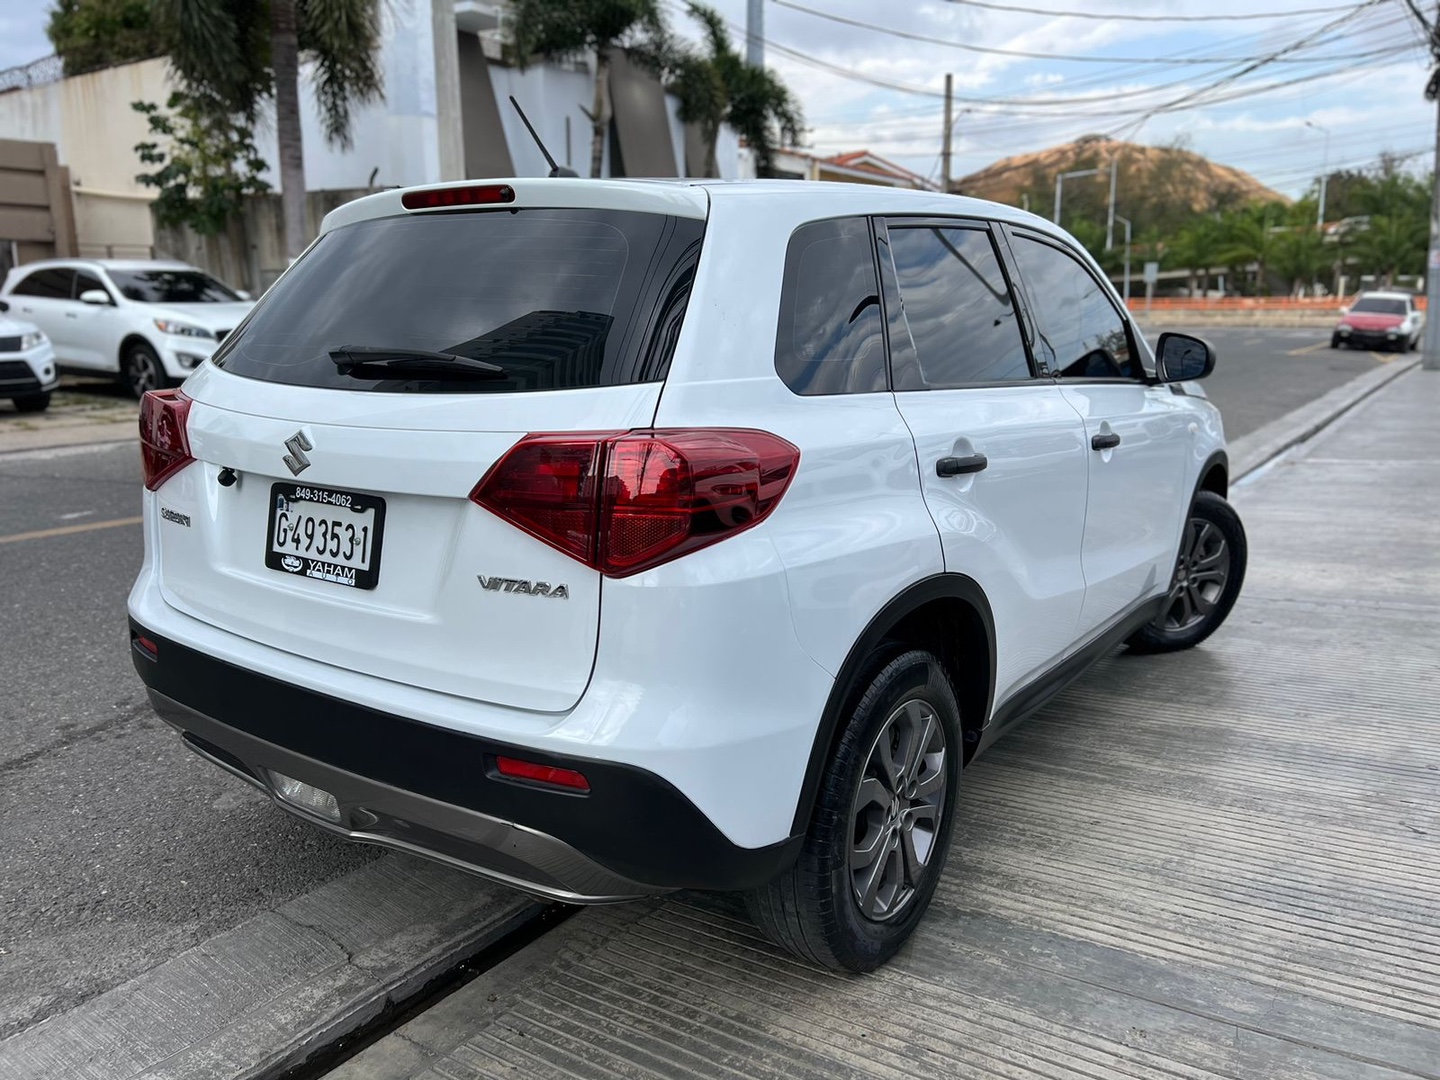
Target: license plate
[{"x": 325, "y": 534}]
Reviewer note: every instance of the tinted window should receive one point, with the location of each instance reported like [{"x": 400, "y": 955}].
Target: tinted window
[
  {"x": 85, "y": 282},
  {"x": 1080, "y": 334},
  {"x": 558, "y": 298},
  {"x": 54, "y": 283},
  {"x": 957, "y": 307},
  {"x": 830, "y": 339},
  {"x": 171, "y": 287},
  {"x": 1379, "y": 305}
]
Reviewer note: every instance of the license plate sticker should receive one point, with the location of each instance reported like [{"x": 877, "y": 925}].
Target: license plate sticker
[{"x": 325, "y": 534}]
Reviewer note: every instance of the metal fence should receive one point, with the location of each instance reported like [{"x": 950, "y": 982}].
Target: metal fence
[{"x": 47, "y": 69}]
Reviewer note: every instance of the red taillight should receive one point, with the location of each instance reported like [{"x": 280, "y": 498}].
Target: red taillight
[
  {"x": 541, "y": 774},
  {"x": 474, "y": 195},
  {"x": 625, "y": 502},
  {"x": 164, "y": 445}
]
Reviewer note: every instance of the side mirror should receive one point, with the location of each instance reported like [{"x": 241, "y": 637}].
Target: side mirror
[
  {"x": 98, "y": 297},
  {"x": 4, "y": 306},
  {"x": 242, "y": 294},
  {"x": 1180, "y": 358},
  {"x": 1344, "y": 309}
]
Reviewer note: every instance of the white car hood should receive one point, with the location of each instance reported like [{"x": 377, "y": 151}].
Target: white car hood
[
  {"x": 10, "y": 327},
  {"x": 208, "y": 316}
]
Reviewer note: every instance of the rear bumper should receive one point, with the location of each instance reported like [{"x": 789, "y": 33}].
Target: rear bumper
[{"x": 434, "y": 791}]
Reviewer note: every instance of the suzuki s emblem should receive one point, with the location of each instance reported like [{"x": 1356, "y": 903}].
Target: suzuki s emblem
[{"x": 297, "y": 444}]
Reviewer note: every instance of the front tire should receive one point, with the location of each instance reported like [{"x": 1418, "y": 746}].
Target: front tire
[
  {"x": 142, "y": 371},
  {"x": 1207, "y": 579},
  {"x": 1334, "y": 341},
  {"x": 32, "y": 403},
  {"x": 881, "y": 825}
]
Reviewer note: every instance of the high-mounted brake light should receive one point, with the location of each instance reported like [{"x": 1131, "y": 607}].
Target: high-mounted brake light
[
  {"x": 473, "y": 195},
  {"x": 516, "y": 769},
  {"x": 164, "y": 444},
  {"x": 623, "y": 502}
]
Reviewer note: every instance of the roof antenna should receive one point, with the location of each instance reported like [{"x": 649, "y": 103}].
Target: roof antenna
[{"x": 555, "y": 170}]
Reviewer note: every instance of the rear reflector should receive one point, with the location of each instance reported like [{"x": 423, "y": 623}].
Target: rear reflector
[
  {"x": 145, "y": 647},
  {"x": 474, "y": 195},
  {"x": 541, "y": 774},
  {"x": 164, "y": 444},
  {"x": 626, "y": 502}
]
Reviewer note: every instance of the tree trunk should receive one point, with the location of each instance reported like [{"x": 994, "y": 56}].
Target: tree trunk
[
  {"x": 600, "y": 114},
  {"x": 285, "y": 56},
  {"x": 712, "y": 135}
]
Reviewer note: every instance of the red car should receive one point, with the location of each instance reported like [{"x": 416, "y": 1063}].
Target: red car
[{"x": 1380, "y": 320}]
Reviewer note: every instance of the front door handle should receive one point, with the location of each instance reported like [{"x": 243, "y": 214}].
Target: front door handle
[
  {"x": 1105, "y": 442},
  {"x": 958, "y": 466}
]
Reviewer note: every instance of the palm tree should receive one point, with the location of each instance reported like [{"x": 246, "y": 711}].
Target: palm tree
[
  {"x": 1250, "y": 241},
  {"x": 1198, "y": 247},
  {"x": 564, "y": 28},
  {"x": 1392, "y": 245},
  {"x": 1299, "y": 255},
  {"x": 238, "y": 53},
  {"x": 717, "y": 86}
]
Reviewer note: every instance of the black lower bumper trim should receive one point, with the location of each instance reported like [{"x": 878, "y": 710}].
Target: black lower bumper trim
[{"x": 631, "y": 822}]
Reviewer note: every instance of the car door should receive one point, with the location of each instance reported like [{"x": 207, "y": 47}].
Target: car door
[
  {"x": 1138, "y": 432},
  {"x": 1001, "y": 453},
  {"x": 93, "y": 330},
  {"x": 42, "y": 297}
]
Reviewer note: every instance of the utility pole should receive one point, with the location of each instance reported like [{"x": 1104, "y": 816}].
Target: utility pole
[
  {"x": 1324, "y": 172},
  {"x": 949, "y": 121},
  {"x": 1060, "y": 179},
  {"x": 1431, "y": 354},
  {"x": 1110, "y": 218},
  {"x": 755, "y": 33}
]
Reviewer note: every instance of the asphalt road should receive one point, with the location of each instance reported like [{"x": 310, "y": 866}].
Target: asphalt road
[{"x": 118, "y": 848}]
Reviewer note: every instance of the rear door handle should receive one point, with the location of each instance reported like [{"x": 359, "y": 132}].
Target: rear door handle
[
  {"x": 71, "y": 315},
  {"x": 1105, "y": 442},
  {"x": 958, "y": 466}
]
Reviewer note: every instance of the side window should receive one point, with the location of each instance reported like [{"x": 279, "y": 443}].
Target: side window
[
  {"x": 85, "y": 281},
  {"x": 958, "y": 308},
  {"x": 830, "y": 339},
  {"x": 1080, "y": 335},
  {"x": 53, "y": 283}
]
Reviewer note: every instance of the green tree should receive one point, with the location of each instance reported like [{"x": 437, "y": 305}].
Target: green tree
[
  {"x": 1198, "y": 247},
  {"x": 1298, "y": 255},
  {"x": 232, "y": 55},
  {"x": 89, "y": 35},
  {"x": 1250, "y": 240},
  {"x": 568, "y": 28},
  {"x": 205, "y": 163},
  {"x": 1391, "y": 245},
  {"x": 716, "y": 86}
]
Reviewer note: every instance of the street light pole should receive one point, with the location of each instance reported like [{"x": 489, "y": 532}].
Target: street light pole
[
  {"x": 1060, "y": 186},
  {"x": 949, "y": 123},
  {"x": 1110, "y": 218},
  {"x": 1126, "y": 222},
  {"x": 1324, "y": 172}
]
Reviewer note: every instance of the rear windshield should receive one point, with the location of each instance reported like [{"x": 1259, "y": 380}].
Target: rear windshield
[
  {"x": 1379, "y": 305},
  {"x": 171, "y": 287},
  {"x": 559, "y": 299}
]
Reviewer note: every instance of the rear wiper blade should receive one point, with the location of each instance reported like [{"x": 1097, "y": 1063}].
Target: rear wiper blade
[{"x": 380, "y": 361}]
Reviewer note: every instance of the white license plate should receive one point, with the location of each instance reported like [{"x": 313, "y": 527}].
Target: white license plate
[{"x": 325, "y": 534}]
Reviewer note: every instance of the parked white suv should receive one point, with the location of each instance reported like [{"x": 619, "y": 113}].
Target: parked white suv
[
  {"x": 27, "y": 364},
  {"x": 149, "y": 322},
  {"x": 610, "y": 538}
]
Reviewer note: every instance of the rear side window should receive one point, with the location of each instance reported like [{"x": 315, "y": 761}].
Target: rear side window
[
  {"x": 958, "y": 309},
  {"x": 831, "y": 339},
  {"x": 1080, "y": 334},
  {"x": 53, "y": 283},
  {"x": 557, "y": 298}
]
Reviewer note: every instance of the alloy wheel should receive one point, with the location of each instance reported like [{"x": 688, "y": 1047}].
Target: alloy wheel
[
  {"x": 1200, "y": 576},
  {"x": 144, "y": 372},
  {"x": 897, "y": 810}
]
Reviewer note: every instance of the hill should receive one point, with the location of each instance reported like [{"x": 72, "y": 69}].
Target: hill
[{"x": 1159, "y": 187}]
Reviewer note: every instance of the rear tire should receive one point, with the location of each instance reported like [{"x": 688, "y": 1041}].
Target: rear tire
[
  {"x": 880, "y": 829},
  {"x": 141, "y": 370},
  {"x": 1334, "y": 341},
  {"x": 32, "y": 403},
  {"x": 1208, "y": 574}
]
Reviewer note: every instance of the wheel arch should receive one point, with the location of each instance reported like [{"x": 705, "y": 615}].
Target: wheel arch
[
  {"x": 947, "y": 614},
  {"x": 1214, "y": 475},
  {"x": 127, "y": 342}
]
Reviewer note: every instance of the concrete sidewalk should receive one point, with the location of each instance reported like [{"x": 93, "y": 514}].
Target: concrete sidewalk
[{"x": 1220, "y": 863}]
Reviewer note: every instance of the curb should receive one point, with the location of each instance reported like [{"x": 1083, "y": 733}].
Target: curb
[
  {"x": 1263, "y": 445},
  {"x": 264, "y": 997}
]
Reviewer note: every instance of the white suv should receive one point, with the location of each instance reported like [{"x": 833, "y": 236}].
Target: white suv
[
  {"x": 610, "y": 538},
  {"x": 148, "y": 322}
]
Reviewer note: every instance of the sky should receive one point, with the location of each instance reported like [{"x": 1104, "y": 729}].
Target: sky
[{"x": 1355, "y": 75}]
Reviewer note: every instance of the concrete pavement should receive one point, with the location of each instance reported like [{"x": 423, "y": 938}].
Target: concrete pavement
[{"x": 1221, "y": 863}]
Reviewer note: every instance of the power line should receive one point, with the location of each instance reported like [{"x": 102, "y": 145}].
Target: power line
[
  {"x": 1023, "y": 54},
  {"x": 1127, "y": 17}
]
